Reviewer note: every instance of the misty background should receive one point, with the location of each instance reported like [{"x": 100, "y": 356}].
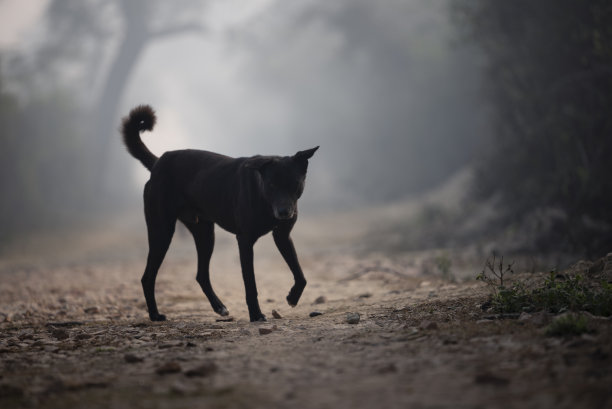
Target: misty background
[{"x": 505, "y": 103}]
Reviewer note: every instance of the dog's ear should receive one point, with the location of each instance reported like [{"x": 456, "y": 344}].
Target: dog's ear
[
  {"x": 305, "y": 155},
  {"x": 257, "y": 162}
]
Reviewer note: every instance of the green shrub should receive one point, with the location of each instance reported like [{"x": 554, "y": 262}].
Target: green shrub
[
  {"x": 557, "y": 294},
  {"x": 567, "y": 325}
]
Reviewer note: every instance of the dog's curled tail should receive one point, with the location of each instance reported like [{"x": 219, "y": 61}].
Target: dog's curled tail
[{"x": 141, "y": 118}]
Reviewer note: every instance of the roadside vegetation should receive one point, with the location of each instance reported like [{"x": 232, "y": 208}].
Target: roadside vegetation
[{"x": 557, "y": 293}]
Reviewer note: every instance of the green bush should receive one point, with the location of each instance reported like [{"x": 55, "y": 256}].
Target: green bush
[
  {"x": 567, "y": 325},
  {"x": 556, "y": 294}
]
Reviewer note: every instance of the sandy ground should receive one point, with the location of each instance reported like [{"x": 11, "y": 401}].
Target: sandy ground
[{"x": 74, "y": 331}]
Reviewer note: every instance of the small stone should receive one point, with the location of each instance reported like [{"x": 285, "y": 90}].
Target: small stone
[
  {"x": 276, "y": 315},
  {"x": 91, "y": 310},
  {"x": 525, "y": 316},
  {"x": 491, "y": 379},
  {"x": 320, "y": 300},
  {"x": 132, "y": 358},
  {"x": 168, "y": 368},
  {"x": 203, "y": 370},
  {"x": 15, "y": 317},
  {"x": 365, "y": 295},
  {"x": 315, "y": 314},
  {"x": 267, "y": 330},
  {"x": 59, "y": 334},
  {"x": 428, "y": 325},
  {"x": 172, "y": 344},
  {"x": 353, "y": 317},
  {"x": 225, "y": 319}
]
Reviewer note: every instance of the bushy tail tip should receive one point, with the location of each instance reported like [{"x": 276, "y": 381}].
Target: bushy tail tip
[{"x": 142, "y": 118}]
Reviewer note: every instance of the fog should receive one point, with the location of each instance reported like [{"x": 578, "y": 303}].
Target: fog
[{"x": 387, "y": 89}]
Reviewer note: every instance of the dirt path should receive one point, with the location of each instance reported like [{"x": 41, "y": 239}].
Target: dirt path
[{"x": 75, "y": 334}]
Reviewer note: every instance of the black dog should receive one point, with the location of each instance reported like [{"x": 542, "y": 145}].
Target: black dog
[{"x": 248, "y": 197}]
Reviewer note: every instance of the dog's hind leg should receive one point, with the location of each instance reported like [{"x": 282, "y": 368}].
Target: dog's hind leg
[
  {"x": 285, "y": 246},
  {"x": 204, "y": 236}
]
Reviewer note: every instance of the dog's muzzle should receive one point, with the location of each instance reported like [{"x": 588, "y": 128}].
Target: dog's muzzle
[{"x": 283, "y": 213}]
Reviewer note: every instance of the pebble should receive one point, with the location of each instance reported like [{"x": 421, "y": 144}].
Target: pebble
[
  {"x": 525, "y": 316},
  {"x": 168, "y": 367},
  {"x": 276, "y": 315},
  {"x": 91, "y": 310},
  {"x": 315, "y": 314},
  {"x": 59, "y": 334},
  {"x": 267, "y": 330},
  {"x": 352, "y": 317},
  {"x": 203, "y": 370},
  {"x": 428, "y": 325},
  {"x": 320, "y": 300},
  {"x": 491, "y": 379},
  {"x": 15, "y": 317},
  {"x": 132, "y": 358},
  {"x": 173, "y": 344}
]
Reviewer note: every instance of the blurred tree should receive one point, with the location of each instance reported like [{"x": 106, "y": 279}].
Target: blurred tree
[
  {"x": 549, "y": 79},
  {"x": 56, "y": 125},
  {"x": 43, "y": 180},
  {"x": 79, "y": 33}
]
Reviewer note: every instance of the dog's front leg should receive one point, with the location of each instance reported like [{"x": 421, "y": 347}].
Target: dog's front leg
[
  {"x": 245, "y": 245},
  {"x": 285, "y": 246}
]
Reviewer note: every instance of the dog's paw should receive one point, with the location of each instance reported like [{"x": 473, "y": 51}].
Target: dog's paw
[
  {"x": 290, "y": 302},
  {"x": 222, "y": 311},
  {"x": 157, "y": 317},
  {"x": 292, "y": 299},
  {"x": 261, "y": 318}
]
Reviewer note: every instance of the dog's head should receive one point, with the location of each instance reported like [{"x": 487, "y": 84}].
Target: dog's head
[{"x": 282, "y": 180}]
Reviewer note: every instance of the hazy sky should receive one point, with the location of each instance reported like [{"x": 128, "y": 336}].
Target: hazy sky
[
  {"x": 379, "y": 85},
  {"x": 17, "y": 18}
]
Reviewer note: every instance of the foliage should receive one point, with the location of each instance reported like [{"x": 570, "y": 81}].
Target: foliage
[
  {"x": 567, "y": 325},
  {"x": 549, "y": 79},
  {"x": 43, "y": 163},
  {"x": 556, "y": 294},
  {"x": 444, "y": 263}
]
